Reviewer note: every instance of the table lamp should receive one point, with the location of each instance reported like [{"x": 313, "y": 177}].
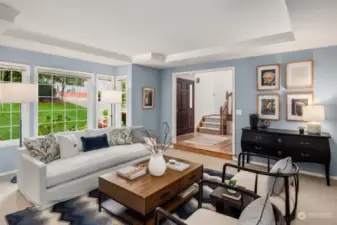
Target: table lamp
[
  {"x": 111, "y": 97},
  {"x": 314, "y": 114},
  {"x": 18, "y": 93}
]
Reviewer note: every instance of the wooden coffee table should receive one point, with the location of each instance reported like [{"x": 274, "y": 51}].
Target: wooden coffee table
[{"x": 141, "y": 196}]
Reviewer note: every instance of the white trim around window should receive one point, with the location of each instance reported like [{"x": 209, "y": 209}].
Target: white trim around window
[
  {"x": 56, "y": 71},
  {"x": 25, "y": 108}
]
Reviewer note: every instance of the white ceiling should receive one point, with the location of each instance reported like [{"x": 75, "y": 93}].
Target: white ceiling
[{"x": 171, "y": 33}]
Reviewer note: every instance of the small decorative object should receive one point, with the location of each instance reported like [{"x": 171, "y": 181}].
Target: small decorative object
[
  {"x": 268, "y": 106},
  {"x": 295, "y": 103},
  {"x": 263, "y": 124},
  {"x": 148, "y": 98},
  {"x": 232, "y": 183},
  {"x": 268, "y": 77},
  {"x": 299, "y": 75},
  {"x": 253, "y": 120},
  {"x": 301, "y": 130},
  {"x": 172, "y": 161},
  {"x": 314, "y": 114},
  {"x": 157, "y": 165}
]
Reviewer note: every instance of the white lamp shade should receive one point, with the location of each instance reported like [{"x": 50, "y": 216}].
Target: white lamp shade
[
  {"x": 18, "y": 93},
  {"x": 313, "y": 113},
  {"x": 111, "y": 97}
]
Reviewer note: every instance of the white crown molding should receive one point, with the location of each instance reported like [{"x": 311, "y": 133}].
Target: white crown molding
[{"x": 44, "y": 39}]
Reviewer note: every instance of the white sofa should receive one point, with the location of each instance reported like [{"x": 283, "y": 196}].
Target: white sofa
[{"x": 47, "y": 184}]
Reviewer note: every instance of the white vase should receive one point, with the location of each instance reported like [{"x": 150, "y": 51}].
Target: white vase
[{"x": 157, "y": 165}]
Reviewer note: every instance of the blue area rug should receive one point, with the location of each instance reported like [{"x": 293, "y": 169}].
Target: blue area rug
[{"x": 83, "y": 210}]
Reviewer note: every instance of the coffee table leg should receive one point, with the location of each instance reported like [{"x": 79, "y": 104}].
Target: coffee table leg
[{"x": 100, "y": 201}]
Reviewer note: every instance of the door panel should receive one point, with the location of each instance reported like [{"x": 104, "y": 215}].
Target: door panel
[{"x": 185, "y": 106}]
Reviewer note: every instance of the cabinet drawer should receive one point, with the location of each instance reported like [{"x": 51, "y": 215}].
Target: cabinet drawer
[
  {"x": 304, "y": 142},
  {"x": 162, "y": 196},
  {"x": 190, "y": 179},
  {"x": 308, "y": 155},
  {"x": 259, "y": 138}
]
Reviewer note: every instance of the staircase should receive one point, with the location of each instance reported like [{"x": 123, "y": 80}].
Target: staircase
[{"x": 219, "y": 124}]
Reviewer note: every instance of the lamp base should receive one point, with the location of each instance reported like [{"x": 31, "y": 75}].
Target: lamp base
[{"x": 314, "y": 128}]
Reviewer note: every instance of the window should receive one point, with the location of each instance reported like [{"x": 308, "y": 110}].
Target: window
[
  {"x": 121, "y": 85},
  {"x": 63, "y": 102},
  {"x": 10, "y": 113},
  {"x": 104, "y": 111}
]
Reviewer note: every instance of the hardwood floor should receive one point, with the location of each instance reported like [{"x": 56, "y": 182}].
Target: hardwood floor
[{"x": 220, "y": 150}]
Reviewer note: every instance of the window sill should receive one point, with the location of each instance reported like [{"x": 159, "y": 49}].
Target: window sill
[{"x": 9, "y": 143}]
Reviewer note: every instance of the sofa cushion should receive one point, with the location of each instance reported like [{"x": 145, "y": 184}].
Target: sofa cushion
[
  {"x": 96, "y": 132},
  {"x": 137, "y": 133},
  {"x": 95, "y": 143},
  {"x": 247, "y": 180},
  {"x": 45, "y": 149},
  {"x": 120, "y": 136},
  {"x": 85, "y": 163},
  {"x": 68, "y": 145},
  {"x": 78, "y": 135},
  {"x": 204, "y": 216}
]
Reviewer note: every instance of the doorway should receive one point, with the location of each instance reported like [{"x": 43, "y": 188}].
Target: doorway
[
  {"x": 202, "y": 112},
  {"x": 185, "y": 106}
]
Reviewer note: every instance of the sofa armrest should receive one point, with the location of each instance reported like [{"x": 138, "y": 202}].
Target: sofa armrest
[{"x": 31, "y": 178}]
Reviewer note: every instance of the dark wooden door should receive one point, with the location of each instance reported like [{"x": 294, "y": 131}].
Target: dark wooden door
[{"x": 185, "y": 106}]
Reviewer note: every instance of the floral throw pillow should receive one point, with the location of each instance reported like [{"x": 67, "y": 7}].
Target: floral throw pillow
[
  {"x": 120, "y": 136},
  {"x": 44, "y": 149}
]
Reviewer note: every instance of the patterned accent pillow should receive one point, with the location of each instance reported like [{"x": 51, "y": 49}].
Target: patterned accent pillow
[
  {"x": 44, "y": 149},
  {"x": 258, "y": 212},
  {"x": 282, "y": 166},
  {"x": 120, "y": 136}
]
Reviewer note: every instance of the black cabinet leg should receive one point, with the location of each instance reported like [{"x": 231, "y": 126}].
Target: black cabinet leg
[
  {"x": 100, "y": 197},
  {"x": 248, "y": 159},
  {"x": 327, "y": 173}
]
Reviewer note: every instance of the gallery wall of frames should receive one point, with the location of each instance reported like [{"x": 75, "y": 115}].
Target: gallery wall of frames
[{"x": 299, "y": 85}]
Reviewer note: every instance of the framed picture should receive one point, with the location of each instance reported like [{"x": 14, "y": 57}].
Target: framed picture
[
  {"x": 300, "y": 75},
  {"x": 268, "y": 77},
  {"x": 295, "y": 102},
  {"x": 268, "y": 106},
  {"x": 148, "y": 98}
]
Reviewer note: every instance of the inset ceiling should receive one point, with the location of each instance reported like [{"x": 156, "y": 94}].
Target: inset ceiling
[{"x": 168, "y": 33}]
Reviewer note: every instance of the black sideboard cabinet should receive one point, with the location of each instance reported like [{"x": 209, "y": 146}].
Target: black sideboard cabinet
[{"x": 283, "y": 143}]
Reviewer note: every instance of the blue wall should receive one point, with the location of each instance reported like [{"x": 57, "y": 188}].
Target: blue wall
[
  {"x": 8, "y": 155},
  {"x": 325, "y": 91},
  {"x": 149, "y": 118}
]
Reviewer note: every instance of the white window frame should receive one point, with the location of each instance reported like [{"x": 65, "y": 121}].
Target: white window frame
[
  {"x": 121, "y": 78},
  {"x": 91, "y": 90},
  {"x": 25, "y": 107},
  {"x": 111, "y": 112}
]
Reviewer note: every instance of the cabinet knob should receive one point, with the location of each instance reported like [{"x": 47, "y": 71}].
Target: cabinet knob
[
  {"x": 305, "y": 143},
  {"x": 305, "y": 154},
  {"x": 258, "y": 137},
  {"x": 279, "y": 140},
  {"x": 257, "y": 147},
  {"x": 279, "y": 153}
]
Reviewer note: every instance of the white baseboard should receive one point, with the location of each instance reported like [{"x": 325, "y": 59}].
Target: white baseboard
[
  {"x": 9, "y": 173},
  {"x": 301, "y": 171}
]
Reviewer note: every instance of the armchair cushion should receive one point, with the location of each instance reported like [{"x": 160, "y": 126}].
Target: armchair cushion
[
  {"x": 281, "y": 166},
  {"x": 204, "y": 216},
  {"x": 247, "y": 180},
  {"x": 260, "y": 211}
]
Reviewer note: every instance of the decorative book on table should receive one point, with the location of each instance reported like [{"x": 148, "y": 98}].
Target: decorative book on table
[
  {"x": 180, "y": 166},
  {"x": 131, "y": 172},
  {"x": 236, "y": 195}
]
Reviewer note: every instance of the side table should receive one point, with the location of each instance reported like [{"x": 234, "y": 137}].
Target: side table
[{"x": 229, "y": 206}]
